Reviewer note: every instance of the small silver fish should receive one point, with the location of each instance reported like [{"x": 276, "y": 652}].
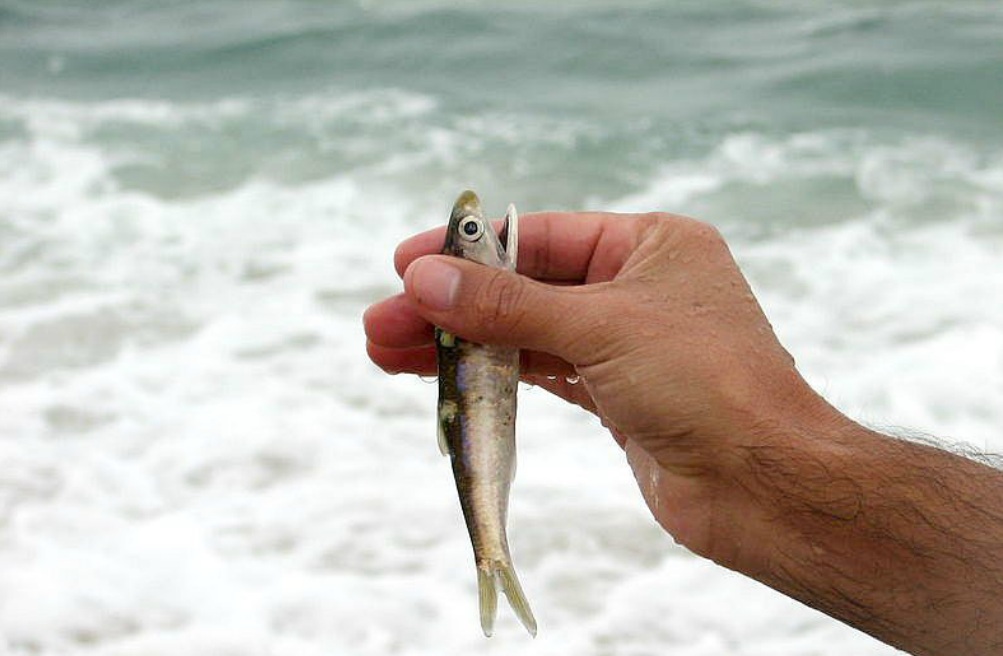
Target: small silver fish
[{"x": 477, "y": 390}]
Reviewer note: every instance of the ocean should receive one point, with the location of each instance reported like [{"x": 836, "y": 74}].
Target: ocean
[{"x": 199, "y": 199}]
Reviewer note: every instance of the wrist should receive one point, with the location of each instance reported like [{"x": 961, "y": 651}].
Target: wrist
[
  {"x": 721, "y": 491},
  {"x": 785, "y": 459}
]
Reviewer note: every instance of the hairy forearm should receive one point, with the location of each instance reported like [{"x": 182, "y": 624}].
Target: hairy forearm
[{"x": 901, "y": 540}]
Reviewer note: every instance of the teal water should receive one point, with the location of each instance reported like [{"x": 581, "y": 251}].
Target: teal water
[
  {"x": 591, "y": 97},
  {"x": 198, "y": 200},
  {"x": 894, "y": 62}
]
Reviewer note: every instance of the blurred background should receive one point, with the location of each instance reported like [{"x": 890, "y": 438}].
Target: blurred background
[{"x": 199, "y": 199}]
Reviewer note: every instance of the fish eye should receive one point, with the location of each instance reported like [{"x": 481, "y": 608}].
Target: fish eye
[{"x": 471, "y": 228}]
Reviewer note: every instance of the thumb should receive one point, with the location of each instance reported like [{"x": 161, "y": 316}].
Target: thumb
[{"x": 498, "y": 306}]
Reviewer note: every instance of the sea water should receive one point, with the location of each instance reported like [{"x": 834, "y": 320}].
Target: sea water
[{"x": 198, "y": 200}]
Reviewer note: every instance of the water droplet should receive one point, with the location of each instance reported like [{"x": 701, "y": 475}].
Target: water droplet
[
  {"x": 428, "y": 379},
  {"x": 573, "y": 380},
  {"x": 552, "y": 378}
]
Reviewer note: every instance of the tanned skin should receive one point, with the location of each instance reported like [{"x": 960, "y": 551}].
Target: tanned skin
[{"x": 736, "y": 456}]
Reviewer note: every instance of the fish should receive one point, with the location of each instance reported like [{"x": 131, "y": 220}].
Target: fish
[{"x": 476, "y": 417}]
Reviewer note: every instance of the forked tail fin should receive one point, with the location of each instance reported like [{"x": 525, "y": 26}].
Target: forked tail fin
[{"x": 489, "y": 575}]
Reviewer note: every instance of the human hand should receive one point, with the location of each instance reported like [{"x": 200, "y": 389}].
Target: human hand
[
  {"x": 652, "y": 314},
  {"x": 735, "y": 455}
]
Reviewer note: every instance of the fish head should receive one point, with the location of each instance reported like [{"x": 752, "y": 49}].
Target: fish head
[{"x": 471, "y": 236}]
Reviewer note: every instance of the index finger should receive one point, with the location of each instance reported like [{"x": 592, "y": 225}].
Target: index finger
[{"x": 553, "y": 246}]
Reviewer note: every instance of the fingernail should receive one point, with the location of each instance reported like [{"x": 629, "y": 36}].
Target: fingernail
[{"x": 434, "y": 283}]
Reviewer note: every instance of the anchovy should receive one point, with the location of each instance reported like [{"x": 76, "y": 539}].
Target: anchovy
[{"x": 476, "y": 413}]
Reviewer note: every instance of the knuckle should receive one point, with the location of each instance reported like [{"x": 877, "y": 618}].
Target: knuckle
[
  {"x": 702, "y": 237},
  {"x": 659, "y": 217},
  {"x": 677, "y": 229},
  {"x": 706, "y": 234},
  {"x": 655, "y": 221},
  {"x": 499, "y": 300},
  {"x": 713, "y": 235}
]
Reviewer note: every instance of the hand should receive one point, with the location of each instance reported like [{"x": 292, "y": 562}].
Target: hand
[
  {"x": 736, "y": 456},
  {"x": 673, "y": 352}
]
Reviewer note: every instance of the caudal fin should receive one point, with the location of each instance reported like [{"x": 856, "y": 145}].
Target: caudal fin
[{"x": 489, "y": 576}]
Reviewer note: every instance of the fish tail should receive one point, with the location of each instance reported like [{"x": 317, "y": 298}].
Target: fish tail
[
  {"x": 488, "y": 595},
  {"x": 489, "y": 576}
]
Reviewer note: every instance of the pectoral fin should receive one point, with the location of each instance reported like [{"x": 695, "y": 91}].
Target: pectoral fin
[
  {"x": 443, "y": 442},
  {"x": 447, "y": 408},
  {"x": 447, "y": 413}
]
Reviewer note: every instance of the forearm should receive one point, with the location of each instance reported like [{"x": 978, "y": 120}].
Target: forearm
[{"x": 901, "y": 540}]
